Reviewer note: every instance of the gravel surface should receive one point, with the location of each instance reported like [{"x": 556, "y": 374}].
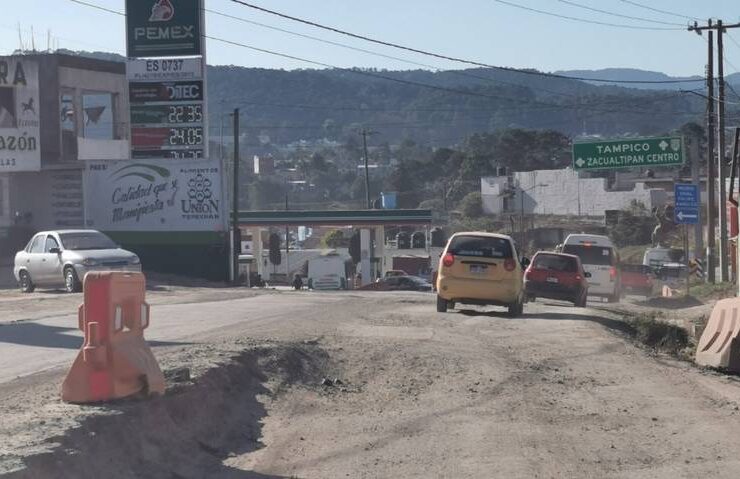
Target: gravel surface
[{"x": 375, "y": 385}]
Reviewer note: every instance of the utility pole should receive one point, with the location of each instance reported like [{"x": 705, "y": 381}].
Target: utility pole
[
  {"x": 711, "y": 174},
  {"x": 694, "y": 157},
  {"x": 287, "y": 237},
  {"x": 715, "y": 161},
  {"x": 724, "y": 254},
  {"x": 364, "y": 134},
  {"x": 236, "y": 236}
]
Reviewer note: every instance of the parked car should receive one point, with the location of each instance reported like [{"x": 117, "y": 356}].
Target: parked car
[
  {"x": 481, "y": 268},
  {"x": 399, "y": 283},
  {"x": 638, "y": 279},
  {"x": 557, "y": 276},
  {"x": 599, "y": 257},
  {"x": 394, "y": 272},
  {"x": 62, "y": 258}
]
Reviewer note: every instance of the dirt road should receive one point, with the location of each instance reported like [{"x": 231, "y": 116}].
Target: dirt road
[{"x": 474, "y": 394}]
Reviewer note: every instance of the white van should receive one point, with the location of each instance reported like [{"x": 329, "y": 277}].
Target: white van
[
  {"x": 326, "y": 272},
  {"x": 600, "y": 258}
]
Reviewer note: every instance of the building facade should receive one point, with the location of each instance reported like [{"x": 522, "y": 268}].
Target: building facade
[
  {"x": 56, "y": 112},
  {"x": 562, "y": 193}
]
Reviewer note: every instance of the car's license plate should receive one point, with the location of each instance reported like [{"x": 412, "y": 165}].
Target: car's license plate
[
  {"x": 552, "y": 280},
  {"x": 478, "y": 269}
]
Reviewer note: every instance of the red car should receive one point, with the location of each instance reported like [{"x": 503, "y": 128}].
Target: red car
[
  {"x": 638, "y": 279},
  {"x": 556, "y": 276}
]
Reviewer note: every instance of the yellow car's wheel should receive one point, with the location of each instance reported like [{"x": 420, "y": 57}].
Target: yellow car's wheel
[{"x": 441, "y": 305}]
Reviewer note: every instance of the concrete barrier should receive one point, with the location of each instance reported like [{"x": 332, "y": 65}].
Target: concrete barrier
[{"x": 719, "y": 345}]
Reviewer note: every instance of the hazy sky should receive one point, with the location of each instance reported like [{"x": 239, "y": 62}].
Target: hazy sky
[{"x": 482, "y": 30}]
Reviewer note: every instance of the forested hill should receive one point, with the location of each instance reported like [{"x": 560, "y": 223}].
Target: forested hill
[{"x": 436, "y": 108}]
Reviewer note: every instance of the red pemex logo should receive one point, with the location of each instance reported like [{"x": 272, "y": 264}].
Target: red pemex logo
[{"x": 162, "y": 11}]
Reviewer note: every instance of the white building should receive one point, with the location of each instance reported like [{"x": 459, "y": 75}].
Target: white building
[{"x": 561, "y": 192}]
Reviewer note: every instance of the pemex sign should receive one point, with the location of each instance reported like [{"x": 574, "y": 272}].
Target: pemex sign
[
  {"x": 164, "y": 28},
  {"x": 628, "y": 153}
]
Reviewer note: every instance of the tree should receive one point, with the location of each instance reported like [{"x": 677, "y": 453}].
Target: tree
[
  {"x": 333, "y": 239},
  {"x": 355, "y": 248},
  {"x": 276, "y": 256},
  {"x": 634, "y": 227},
  {"x": 472, "y": 205}
]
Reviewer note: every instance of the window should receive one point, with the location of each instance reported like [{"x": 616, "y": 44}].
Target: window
[
  {"x": 553, "y": 262},
  {"x": 7, "y": 108},
  {"x": 86, "y": 241},
  {"x": 37, "y": 245},
  {"x": 481, "y": 246},
  {"x": 97, "y": 110},
  {"x": 598, "y": 255},
  {"x": 51, "y": 243},
  {"x": 68, "y": 123}
]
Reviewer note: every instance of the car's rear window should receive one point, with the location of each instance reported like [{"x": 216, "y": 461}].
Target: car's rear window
[
  {"x": 598, "y": 255},
  {"x": 636, "y": 268},
  {"x": 553, "y": 262},
  {"x": 480, "y": 246}
]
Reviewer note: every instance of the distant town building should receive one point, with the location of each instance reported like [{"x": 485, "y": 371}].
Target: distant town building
[
  {"x": 264, "y": 165},
  {"x": 562, "y": 192}
]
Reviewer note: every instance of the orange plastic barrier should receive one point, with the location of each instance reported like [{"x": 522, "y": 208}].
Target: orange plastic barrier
[
  {"x": 719, "y": 345},
  {"x": 115, "y": 361}
]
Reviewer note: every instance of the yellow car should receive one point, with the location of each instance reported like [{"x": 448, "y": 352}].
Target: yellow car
[{"x": 483, "y": 269}]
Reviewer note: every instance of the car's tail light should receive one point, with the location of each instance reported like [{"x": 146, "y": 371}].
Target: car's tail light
[
  {"x": 578, "y": 277},
  {"x": 509, "y": 264},
  {"x": 613, "y": 273},
  {"x": 448, "y": 260}
]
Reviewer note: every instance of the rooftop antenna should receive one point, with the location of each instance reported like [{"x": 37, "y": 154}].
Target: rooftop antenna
[
  {"x": 48, "y": 40},
  {"x": 33, "y": 41},
  {"x": 20, "y": 39}
]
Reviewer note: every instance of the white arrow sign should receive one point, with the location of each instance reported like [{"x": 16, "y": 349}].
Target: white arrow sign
[
  {"x": 663, "y": 145},
  {"x": 681, "y": 215},
  {"x": 580, "y": 162}
]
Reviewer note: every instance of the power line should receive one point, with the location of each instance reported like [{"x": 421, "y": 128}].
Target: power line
[
  {"x": 586, "y": 7},
  {"x": 448, "y": 57},
  {"x": 98, "y": 7},
  {"x": 583, "y": 20},
  {"x": 646, "y": 7},
  {"x": 370, "y": 52},
  {"x": 397, "y": 80},
  {"x": 732, "y": 39}
]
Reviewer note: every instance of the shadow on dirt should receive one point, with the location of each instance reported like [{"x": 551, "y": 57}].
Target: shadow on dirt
[
  {"x": 670, "y": 303},
  {"x": 41, "y": 335},
  {"x": 188, "y": 433},
  {"x": 612, "y": 324}
]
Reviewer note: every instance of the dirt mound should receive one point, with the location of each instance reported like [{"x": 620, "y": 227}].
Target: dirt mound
[{"x": 188, "y": 432}]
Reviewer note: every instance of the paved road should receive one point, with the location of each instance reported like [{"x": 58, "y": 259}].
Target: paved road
[{"x": 32, "y": 345}]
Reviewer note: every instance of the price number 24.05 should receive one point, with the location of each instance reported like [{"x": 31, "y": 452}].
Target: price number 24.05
[{"x": 188, "y": 136}]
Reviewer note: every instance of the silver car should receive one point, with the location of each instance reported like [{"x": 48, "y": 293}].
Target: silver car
[{"x": 62, "y": 258}]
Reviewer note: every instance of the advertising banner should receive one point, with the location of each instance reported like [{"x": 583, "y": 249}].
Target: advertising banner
[
  {"x": 155, "y": 195},
  {"x": 163, "y": 28},
  {"x": 20, "y": 148}
]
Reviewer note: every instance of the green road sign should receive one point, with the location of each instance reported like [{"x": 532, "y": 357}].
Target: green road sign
[
  {"x": 163, "y": 28},
  {"x": 628, "y": 153}
]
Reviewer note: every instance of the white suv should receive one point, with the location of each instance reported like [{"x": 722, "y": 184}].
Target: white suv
[{"x": 599, "y": 258}]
